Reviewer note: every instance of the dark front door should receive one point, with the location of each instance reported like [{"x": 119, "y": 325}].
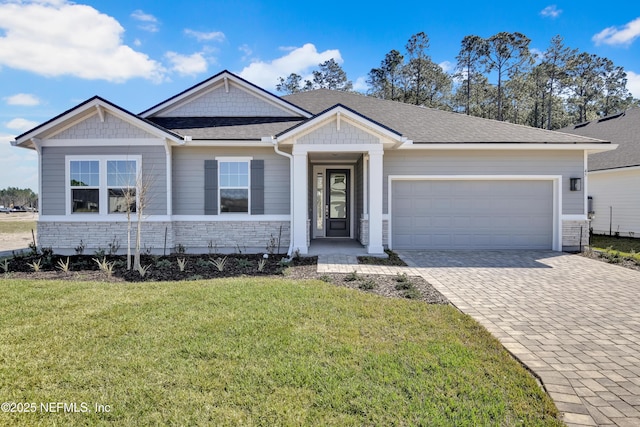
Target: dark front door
[{"x": 337, "y": 208}]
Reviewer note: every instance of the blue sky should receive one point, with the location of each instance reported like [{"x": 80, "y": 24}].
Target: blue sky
[{"x": 55, "y": 54}]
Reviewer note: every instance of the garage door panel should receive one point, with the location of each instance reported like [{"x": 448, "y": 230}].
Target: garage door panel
[{"x": 472, "y": 214}]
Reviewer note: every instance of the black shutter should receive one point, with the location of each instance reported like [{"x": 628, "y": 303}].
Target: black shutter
[
  {"x": 257, "y": 187},
  {"x": 211, "y": 187}
]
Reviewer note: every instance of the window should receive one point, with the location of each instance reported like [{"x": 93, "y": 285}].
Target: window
[
  {"x": 101, "y": 184},
  {"x": 121, "y": 184},
  {"x": 85, "y": 186},
  {"x": 234, "y": 186}
]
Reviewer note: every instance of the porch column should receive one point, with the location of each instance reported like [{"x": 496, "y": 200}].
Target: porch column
[
  {"x": 299, "y": 209},
  {"x": 376, "y": 179}
]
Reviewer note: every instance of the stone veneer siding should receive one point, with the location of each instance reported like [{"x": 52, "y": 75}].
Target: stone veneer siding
[
  {"x": 195, "y": 236},
  {"x": 571, "y": 235},
  {"x": 364, "y": 232}
]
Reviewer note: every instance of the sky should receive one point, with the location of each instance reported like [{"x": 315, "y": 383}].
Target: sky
[{"x": 55, "y": 54}]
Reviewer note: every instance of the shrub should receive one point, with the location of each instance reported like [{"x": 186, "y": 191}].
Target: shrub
[
  {"x": 351, "y": 277},
  {"x": 219, "y": 263},
  {"x": 367, "y": 285}
]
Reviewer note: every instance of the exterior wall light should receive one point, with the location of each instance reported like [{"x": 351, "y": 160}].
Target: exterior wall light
[{"x": 575, "y": 184}]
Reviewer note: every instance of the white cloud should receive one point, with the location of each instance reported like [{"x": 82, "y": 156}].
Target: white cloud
[
  {"x": 150, "y": 22},
  {"x": 633, "y": 83},
  {"x": 447, "y": 66},
  {"x": 22, "y": 99},
  {"x": 360, "y": 85},
  {"x": 216, "y": 36},
  {"x": 187, "y": 65},
  {"x": 55, "y": 38},
  {"x": 551, "y": 11},
  {"x": 246, "y": 50},
  {"x": 299, "y": 60},
  {"x": 624, "y": 35},
  {"x": 21, "y": 125},
  {"x": 18, "y": 167}
]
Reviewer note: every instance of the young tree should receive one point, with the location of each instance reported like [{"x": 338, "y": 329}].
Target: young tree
[
  {"x": 384, "y": 82},
  {"x": 293, "y": 84},
  {"x": 331, "y": 76},
  {"x": 554, "y": 63},
  {"x": 472, "y": 49},
  {"x": 505, "y": 53}
]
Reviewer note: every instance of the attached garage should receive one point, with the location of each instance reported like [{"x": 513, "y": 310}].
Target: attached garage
[{"x": 472, "y": 214}]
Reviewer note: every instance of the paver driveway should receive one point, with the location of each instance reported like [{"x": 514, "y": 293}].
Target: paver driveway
[{"x": 574, "y": 321}]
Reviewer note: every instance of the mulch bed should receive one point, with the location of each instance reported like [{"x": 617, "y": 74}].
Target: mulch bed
[
  {"x": 621, "y": 261},
  {"x": 165, "y": 268}
]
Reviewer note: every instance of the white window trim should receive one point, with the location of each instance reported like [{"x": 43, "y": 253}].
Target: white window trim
[
  {"x": 102, "y": 188},
  {"x": 248, "y": 188}
]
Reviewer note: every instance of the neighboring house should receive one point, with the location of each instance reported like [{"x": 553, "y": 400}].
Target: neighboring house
[
  {"x": 614, "y": 176},
  {"x": 229, "y": 166}
]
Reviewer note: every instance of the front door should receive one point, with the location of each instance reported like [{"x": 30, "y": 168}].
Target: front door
[{"x": 337, "y": 207}]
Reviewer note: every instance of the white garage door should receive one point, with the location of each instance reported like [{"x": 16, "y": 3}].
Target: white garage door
[{"x": 434, "y": 214}]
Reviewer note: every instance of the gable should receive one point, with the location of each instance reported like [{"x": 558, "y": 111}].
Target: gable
[
  {"x": 94, "y": 127},
  {"x": 230, "y": 101},
  {"x": 330, "y": 133}
]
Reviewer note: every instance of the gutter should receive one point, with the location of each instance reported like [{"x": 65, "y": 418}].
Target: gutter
[{"x": 274, "y": 141}]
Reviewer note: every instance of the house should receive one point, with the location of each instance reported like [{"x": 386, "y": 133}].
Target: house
[
  {"x": 614, "y": 176},
  {"x": 230, "y": 166}
]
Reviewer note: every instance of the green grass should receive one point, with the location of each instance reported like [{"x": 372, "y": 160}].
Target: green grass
[
  {"x": 11, "y": 227},
  {"x": 258, "y": 352},
  {"x": 626, "y": 246}
]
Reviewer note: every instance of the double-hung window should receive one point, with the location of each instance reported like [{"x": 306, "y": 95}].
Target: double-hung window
[
  {"x": 102, "y": 184},
  {"x": 234, "y": 182}
]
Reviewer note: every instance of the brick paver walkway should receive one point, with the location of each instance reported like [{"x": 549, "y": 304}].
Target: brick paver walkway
[{"x": 575, "y": 322}]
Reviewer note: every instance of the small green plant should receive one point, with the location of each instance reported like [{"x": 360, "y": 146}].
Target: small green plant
[
  {"x": 202, "y": 263},
  {"x": 47, "y": 252},
  {"x": 412, "y": 293},
  {"x": 296, "y": 253},
  {"x": 351, "y": 277},
  {"x": 325, "y": 278},
  {"x": 180, "y": 249},
  {"x": 402, "y": 278},
  {"x": 100, "y": 253},
  {"x": 182, "y": 264},
  {"x": 219, "y": 263},
  {"x": 272, "y": 244},
  {"x": 367, "y": 285},
  {"x": 114, "y": 246},
  {"x": 142, "y": 269},
  {"x": 80, "y": 248},
  {"x": 244, "y": 263},
  {"x": 261, "y": 264},
  {"x": 33, "y": 249},
  {"x": 35, "y": 265},
  {"x": 63, "y": 266},
  {"x": 163, "y": 263},
  {"x": 284, "y": 262}
]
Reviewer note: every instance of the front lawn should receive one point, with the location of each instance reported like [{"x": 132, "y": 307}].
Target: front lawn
[
  {"x": 251, "y": 351},
  {"x": 15, "y": 227},
  {"x": 621, "y": 244}
]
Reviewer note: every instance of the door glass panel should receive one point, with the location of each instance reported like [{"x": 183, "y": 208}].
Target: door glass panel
[
  {"x": 338, "y": 197},
  {"x": 319, "y": 202}
]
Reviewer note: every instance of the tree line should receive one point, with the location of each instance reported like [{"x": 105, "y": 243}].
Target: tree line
[
  {"x": 12, "y": 196},
  {"x": 498, "y": 77}
]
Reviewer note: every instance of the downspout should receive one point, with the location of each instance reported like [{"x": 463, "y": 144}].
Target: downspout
[{"x": 274, "y": 141}]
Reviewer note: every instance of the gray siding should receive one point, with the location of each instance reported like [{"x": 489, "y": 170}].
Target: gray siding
[
  {"x": 569, "y": 164},
  {"x": 329, "y": 134},
  {"x": 53, "y": 175},
  {"x": 218, "y": 102},
  {"x": 112, "y": 127},
  {"x": 188, "y": 178}
]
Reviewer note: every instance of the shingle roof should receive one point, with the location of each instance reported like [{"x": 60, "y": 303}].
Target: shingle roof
[
  {"x": 226, "y": 128},
  {"x": 428, "y": 125},
  {"x": 622, "y": 129}
]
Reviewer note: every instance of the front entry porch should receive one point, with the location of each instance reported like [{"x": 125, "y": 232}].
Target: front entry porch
[{"x": 337, "y": 199}]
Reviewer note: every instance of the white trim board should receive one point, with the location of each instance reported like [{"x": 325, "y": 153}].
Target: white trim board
[{"x": 556, "y": 243}]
